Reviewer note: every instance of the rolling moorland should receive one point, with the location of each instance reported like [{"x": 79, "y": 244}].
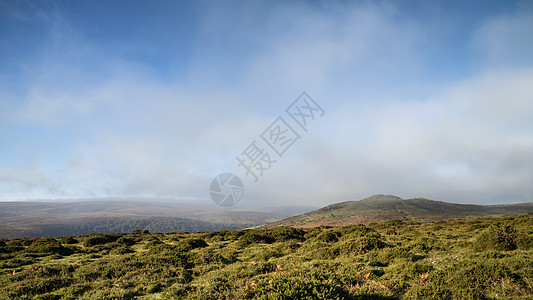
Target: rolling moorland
[
  {"x": 484, "y": 258},
  {"x": 52, "y": 219},
  {"x": 474, "y": 258}
]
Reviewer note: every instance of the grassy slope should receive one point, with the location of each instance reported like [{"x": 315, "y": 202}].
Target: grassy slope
[
  {"x": 485, "y": 258},
  {"x": 385, "y": 207}
]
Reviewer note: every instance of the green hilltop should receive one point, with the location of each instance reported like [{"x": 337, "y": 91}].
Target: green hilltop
[{"x": 387, "y": 207}]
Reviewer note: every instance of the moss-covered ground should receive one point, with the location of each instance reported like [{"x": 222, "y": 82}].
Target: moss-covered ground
[{"x": 490, "y": 258}]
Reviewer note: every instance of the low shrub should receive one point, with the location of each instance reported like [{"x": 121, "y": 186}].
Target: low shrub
[
  {"x": 283, "y": 234},
  {"x": 502, "y": 238},
  {"x": 15, "y": 262},
  {"x": 253, "y": 237},
  {"x": 327, "y": 237},
  {"x": 11, "y": 249},
  {"x": 99, "y": 239},
  {"x": 193, "y": 243},
  {"x": 386, "y": 256},
  {"x": 362, "y": 245},
  {"x": 48, "y": 247},
  {"x": 68, "y": 240},
  {"x": 283, "y": 287},
  {"x": 122, "y": 249},
  {"x": 358, "y": 230},
  {"x": 126, "y": 241}
]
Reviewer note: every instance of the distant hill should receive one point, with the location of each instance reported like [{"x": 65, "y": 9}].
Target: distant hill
[
  {"x": 50, "y": 219},
  {"x": 85, "y": 225},
  {"x": 387, "y": 207}
]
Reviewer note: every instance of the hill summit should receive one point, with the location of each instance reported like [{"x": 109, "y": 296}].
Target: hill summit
[{"x": 388, "y": 207}]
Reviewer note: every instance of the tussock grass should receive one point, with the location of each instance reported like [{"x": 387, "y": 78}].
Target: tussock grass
[{"x": 489, "y": 258}]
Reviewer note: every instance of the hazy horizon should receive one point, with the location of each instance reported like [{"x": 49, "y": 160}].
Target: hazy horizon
[
  {"x": 135, "y": 99},
  {"x": 209, "y": 204}
]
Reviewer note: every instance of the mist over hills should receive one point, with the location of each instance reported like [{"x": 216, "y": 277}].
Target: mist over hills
[
  {"x": 49, "y": 219},
  {"x": 387, "y": 207}
]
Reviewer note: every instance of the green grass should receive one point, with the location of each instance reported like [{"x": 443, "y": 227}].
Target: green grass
[
  {"x": 489, "y": 258},
  {"x": 386, "y": 207}
]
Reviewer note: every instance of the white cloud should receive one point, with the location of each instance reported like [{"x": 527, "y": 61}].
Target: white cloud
[
  {"x": 134, "y": 134},
  {"x": 29, "y": 178},
  {"x": 467, "y": 143}
]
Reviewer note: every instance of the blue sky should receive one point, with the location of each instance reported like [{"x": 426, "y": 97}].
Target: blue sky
[{"x": 153, "y": 99}]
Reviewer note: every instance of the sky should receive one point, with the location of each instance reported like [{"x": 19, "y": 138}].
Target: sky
[{"x": 153, "y": 99}]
